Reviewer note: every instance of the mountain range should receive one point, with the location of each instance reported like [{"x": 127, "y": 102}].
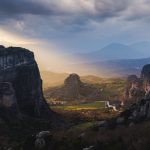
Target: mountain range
[
  {"x": 117, "y": 51},
  {"x": 112, "y": 60}
]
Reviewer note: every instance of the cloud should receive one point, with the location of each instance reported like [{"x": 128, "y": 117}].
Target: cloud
[
  {"x": 18, "y": 7},
  {"x": 66, "y": 10},
  {"x": 138, "y": 10},
  {"x": 52, "y": 17},
  {"x": 72, "y": 19},
  {"x": 65, "y": 26},
  {"x": 10, "y": 39},
  {"x": 70, "y": 14}
]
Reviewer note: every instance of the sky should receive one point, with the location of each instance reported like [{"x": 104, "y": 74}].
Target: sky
[{"x": 59, "y": 27}]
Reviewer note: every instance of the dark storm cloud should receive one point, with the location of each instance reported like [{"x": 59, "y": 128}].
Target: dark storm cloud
[
  {"x": 73, "y": 11},
  {"x": 18, "y": 7},
  {"x": 51, "y": 16},
  {"x": 77, "y": 11},
  {"x": 54, "y": 17},
  {"x": 110, "y": 8}
]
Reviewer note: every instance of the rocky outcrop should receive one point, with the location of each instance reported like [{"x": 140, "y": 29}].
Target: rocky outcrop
[
  {"x": 138, "y": 88},
  {"x": 20, "y": 86},
  {"x": 129, "y": 82},
  {"x": 74, "y": 89},
  {"x": 140, "y": 109},
  {"x": 134, "y": 89},
  {"x": 136, "y": 113},
  {"x": 72, "y": 86},
  {"x": 145, "y": 73}
]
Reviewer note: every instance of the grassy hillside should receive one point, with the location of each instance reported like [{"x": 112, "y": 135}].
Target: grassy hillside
[
  {"x": 111, "y": 88},
  {"x": 83, "y": 106}
]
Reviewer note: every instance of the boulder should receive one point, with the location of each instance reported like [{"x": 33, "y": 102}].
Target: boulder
[
  {"x": 131, "y": 124},
  {"x": 89, "y": 148},
  {"x": 120, "y": 120},
  {"x": 39, "y": 141}
]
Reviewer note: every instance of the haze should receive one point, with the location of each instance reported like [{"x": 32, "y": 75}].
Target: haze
[{"x": 57, "y": 29}]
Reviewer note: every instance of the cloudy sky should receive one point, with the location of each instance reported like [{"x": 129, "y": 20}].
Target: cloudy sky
[{"x": 63, "y": 26}]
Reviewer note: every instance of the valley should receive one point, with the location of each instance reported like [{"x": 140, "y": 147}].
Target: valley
[
  {"x": 74, "y": 75},
  {"x": 71, "y": 111}
]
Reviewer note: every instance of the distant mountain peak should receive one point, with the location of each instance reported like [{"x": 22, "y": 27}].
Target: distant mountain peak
[
  {"x": 114, "y": 51},
  {"x": 114, "y": 46}
]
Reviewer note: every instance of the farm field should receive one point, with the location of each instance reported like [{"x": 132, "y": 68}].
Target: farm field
[{"x": 82, "y": 106}]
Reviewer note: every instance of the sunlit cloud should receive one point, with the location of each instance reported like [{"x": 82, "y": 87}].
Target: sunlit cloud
[
  {"x": 10, "y": 39},
  {"x": 54, "y": 29}
]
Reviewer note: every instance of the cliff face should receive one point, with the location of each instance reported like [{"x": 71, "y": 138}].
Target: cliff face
[
  {"x": 140, "y": 109},
  {"x": 134, "y": 89},
  {"x": 138, "y": 88},
  {"x": 145, "y": 73},
  {"x": 72, "y": 87},
  {"x": 9, "y": 111},
  {"x": 21, "y": 83}
]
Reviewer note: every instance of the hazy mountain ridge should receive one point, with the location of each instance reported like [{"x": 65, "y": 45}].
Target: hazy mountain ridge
[
  {"x": 111, "y": 68},
  {"x": 117, "y": 51}
]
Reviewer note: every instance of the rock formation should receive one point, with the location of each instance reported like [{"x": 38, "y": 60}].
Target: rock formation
[
  {"x": 140, "y": 109},
  {"x": 134, "y": 89},
  {"x": 129, "y": 81},
  {"x": 20, "y": 86},
  {"x": 137, "y": 112},
  {"x": 9, "y": 111},
  {"x": 145, "y": 73},
  {"x": 72, "y": 86},
  {"x": 74, "y": 89}
]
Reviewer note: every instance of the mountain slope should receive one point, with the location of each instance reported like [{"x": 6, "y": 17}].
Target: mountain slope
[
  {"x": 112, "y": 68},
  {"x": 112, "y": 51},
  {"x": 74, "y": 89},
  {"x": 117, "y": 51}
]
